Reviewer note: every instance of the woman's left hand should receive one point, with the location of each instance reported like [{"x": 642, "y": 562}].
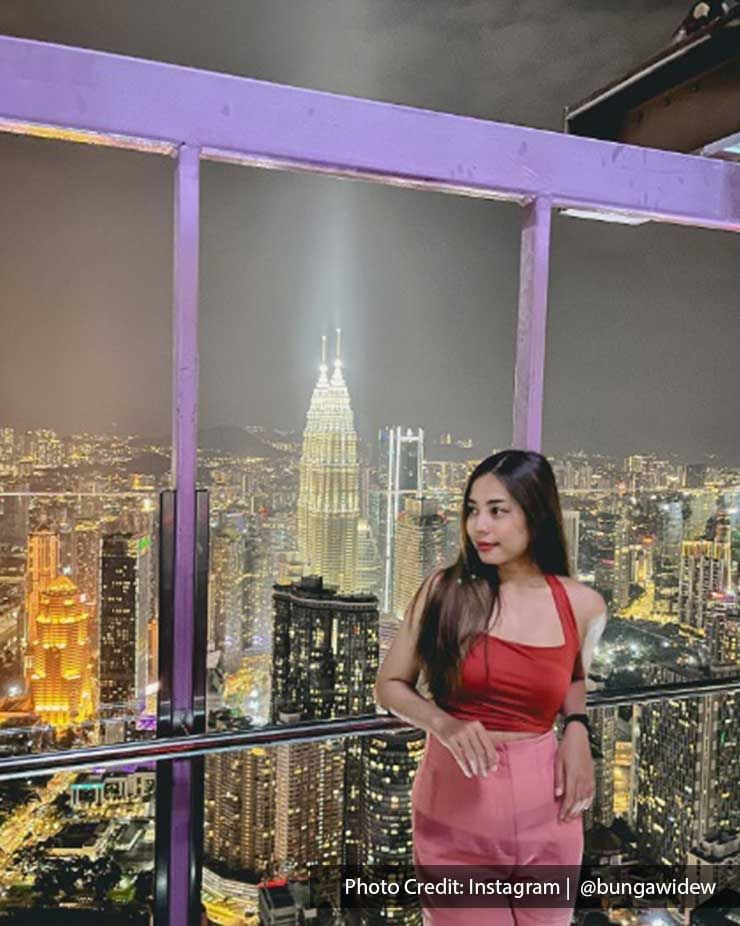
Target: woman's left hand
[{"x": 574, "y": 772}]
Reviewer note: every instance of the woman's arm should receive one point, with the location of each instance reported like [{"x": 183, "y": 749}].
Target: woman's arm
[{"x": 395, "y": 686}]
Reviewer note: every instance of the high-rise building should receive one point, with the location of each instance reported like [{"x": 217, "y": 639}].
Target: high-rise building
[
  {"x": 325, "y": 652},
  {"x": 86, "y": 573},
  {"x": 240, "y": 810},
  {"x": 420, "y": 547},
  {"x": 328, "y": 496},
  {"x": 400, "y": 469},
  {"x": 325, "y": 661},
  {"x": 60, "y": 678},
  {"x": 687, "y": 757},
  {"x": 571, "y": 529},
  {"x": 705, "y": 570},
  {"x": 125, "y": 608},
  {"x": 367, "y": 572},
  {"x": 226, "y": 606},
  {"x": 42, "y": 567}
]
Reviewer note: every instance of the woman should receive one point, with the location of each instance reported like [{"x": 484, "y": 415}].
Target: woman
[{"x": 504, "y": 640}]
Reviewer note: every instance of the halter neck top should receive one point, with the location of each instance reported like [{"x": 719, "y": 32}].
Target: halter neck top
[{"x": 517, "y": 686}]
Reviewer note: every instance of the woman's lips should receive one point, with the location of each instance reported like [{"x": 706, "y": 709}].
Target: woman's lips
[{"x": 487, "y": 546}]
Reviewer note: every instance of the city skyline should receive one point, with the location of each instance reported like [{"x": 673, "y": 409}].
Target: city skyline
[{"x": 423, "y": 285}]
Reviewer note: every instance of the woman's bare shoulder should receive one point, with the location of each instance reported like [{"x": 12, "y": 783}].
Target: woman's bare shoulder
[{"x": 587, "y": 603}]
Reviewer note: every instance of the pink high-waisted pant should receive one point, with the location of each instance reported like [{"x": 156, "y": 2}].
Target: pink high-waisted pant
[{"x": 508, "y": 819}]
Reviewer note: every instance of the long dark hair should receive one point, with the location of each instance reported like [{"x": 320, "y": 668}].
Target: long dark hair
[{"x": 466, "y": 593}]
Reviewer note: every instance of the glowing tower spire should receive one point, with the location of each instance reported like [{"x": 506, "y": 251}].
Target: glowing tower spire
[{"x": 328, "y": 497}]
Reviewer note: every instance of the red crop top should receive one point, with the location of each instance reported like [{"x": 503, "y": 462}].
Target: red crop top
[{"x": 525, "y": 685}]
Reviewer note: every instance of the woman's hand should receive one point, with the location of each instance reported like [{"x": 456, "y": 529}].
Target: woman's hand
[
  {"x": 574, "y": 772},
  {"x": 470, "y": 744}
]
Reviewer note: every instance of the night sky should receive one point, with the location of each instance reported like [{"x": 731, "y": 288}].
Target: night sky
[{"x": 643, "y": 324}]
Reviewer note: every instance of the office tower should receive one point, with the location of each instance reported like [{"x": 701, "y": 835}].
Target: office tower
[
  {"x": 400, "y": 469},
  {"x": 225, "y": 593},
  {"x": 419, "y": 549},
  {"x": 328, "y": 496},
  {"x": 667, "y": 554},
  {"x": 240, "y": 810},
  {"x": 603, "y": 544},
  {"x": 622, "y": 540},
  {"x": 86, "y": 574},
  {"x": 60, "y": 682},
  {"x": 367, "y": 573},
  {"x": 41, "y": 569},
  {"x": 256, "y": 606},
  {"x": 705, "y": 569},
  {"x": 571, "y": 529},
  {"x": 125, "y": 608}
]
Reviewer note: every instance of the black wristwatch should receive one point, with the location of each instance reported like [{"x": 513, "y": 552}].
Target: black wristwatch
[{"x": 581, "y": 718}]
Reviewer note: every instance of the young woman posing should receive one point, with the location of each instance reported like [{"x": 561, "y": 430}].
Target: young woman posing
[{"x": 503, "y": 639}]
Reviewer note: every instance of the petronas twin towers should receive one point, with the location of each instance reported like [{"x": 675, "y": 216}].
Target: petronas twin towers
[{"x": 328, "y": 496}]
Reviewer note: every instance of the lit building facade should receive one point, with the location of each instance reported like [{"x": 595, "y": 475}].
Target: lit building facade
[
  {"x": 328, "y": 496},
  {"x": 125, "y": 608},
  {"x": 420, "y": 548},
  {"x": 60, "y": 678}
]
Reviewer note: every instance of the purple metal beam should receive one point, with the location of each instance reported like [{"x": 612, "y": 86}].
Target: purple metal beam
[
  {"x": 184, "y": 463},
  {"x": 529, "y": 367},
  {"x": 244, "y": 120}
]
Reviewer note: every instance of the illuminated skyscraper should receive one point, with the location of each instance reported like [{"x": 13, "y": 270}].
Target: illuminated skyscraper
[
  {"x": 328, "y": 496},
  {"x": 226, "y": 610},
  {"x": 325, "y": 660},
  {"x": 705, "y": 569},
  {"x": 400, "y": 468},
  {"x": 240, "y": 809},
  {"x": 420, "y": 546},
  {"x": 86, "y": 574},
  {"x": 571, "y": 529},
  {"x": 125, "y": 608},
  {"x": 41, "y": 570},
  {"x": 60, "y": 681}
]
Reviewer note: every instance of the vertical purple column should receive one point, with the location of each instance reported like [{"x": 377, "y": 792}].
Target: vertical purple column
[
  {"x": 184, "y": 460},
  {"x": 529, "y": 368}
]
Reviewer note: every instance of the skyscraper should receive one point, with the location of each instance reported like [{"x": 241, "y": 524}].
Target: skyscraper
[
  {"x": 325, "y": 660},
  {"x": 60, "y": 682},
  {"x": 328, "y": 495},
  {"x": 226, "y": 606},
  {"x": 705, "y": 569},
  {"x": 41, "y": 570},
  {"x": 420, "y": 546},
  {"x": 125, "y": 607},
  {"x": 400, "y": 468}
]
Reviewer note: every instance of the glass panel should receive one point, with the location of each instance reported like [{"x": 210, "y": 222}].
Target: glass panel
[
  {"x": 77, "y": 847},
  {"x": 84, "y": 440},
  {"x": 667, "y": 794},
  {"x": 315, "y": 461},
  {"x": 640, "y": 369}
]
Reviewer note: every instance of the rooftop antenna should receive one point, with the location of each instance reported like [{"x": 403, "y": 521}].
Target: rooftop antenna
[
  {"x": 323, "y": 352},
  {"x": 338, "y": 358}
]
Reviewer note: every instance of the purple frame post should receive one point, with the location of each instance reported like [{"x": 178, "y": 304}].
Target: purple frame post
[
  {"x": 529, "y": 367},
  {"x": 184, "y": 467}
]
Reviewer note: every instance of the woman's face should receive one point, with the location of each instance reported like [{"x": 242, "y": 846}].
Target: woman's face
[{"x": 495, "y": 522}]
